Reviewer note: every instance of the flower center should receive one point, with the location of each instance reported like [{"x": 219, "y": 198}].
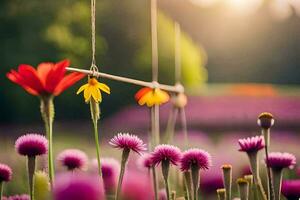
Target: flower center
[{"x": 93, "y": 81}]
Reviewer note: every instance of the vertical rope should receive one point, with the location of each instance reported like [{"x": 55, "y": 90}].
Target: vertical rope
[
  {"x": 93, "y": 67},
  {"x": 177, "y": 53},
  {"x": 154, "y": 40}
]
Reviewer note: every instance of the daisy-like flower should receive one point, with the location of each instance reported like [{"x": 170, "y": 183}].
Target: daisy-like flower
[
  {"x": 252, "y": 144},
  {"x": 47, "y": 79},
  {"x": 18, "y": 197},
  {"x": 291, "y": 189},
  {"x": 151, "y": 97},
  {"x": 93, "y": 90},
  {"x": 5, "y": 173},
  {"x": 77, "y": 186},
  {"x": 72, "y": 159},
  {"x": 277, "y": 160},
  {"x": 31, "y": 145},
  {"x": 128, "y": 141},
  {"x": 145, "y": 161},
  {"x": 194, "y": 160},
  {"x": 166, "y": 152},
  {"x": 110, "y": 170},
  {"x": 165, "y": 155},
  {"x": 200, "y": 158}
]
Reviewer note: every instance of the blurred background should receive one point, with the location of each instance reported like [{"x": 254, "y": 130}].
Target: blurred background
[{"x": 239, "y": 58}]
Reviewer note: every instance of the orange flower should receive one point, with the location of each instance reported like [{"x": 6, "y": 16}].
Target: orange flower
[
  {"x": 151, "y": 97},
  {"x": 47, "y": 79}
]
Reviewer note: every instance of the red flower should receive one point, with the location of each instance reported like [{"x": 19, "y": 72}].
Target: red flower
[{"x": 47, "y": 79}]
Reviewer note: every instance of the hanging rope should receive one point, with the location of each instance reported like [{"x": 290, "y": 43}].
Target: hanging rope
[{"x": 93, "y": 67}]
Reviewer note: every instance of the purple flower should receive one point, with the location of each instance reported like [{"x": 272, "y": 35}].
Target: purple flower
[
  {"x": 265, "y": 120},
  {"x": 291, "y": 189},
  {"x": 78, "y": 186},
  {"x": 17, "y": 197},
  {"x": 252, "y": 144},
  {"x": 110, "y": 170},
  {"x": 128, "y": 141},
  {"x": 137, "y": 186},
  {"x": 31, "y": 145},
  {"x": 198, "y": 157},
  {"x": 5, "y": 173},
  {"x": 166, "y": 152},
  {"x": 277, "y": 160},
  {"x": 145, "y": 161},
  {"x": 72, "y": 159}
]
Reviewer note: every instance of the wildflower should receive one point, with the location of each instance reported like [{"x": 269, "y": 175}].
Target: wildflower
[
  {"x": 145, "y": 161},
  {"x": 265, "y": 120},
  {"x": 252, "y": 144},
  {"x": 18, "y": 197},
  {"x": 5, "y": 176},
  {"x": 227, "y": 179},
  {"x": 31, "y": 145},
  {"x": 47, "y": 81},
  {"x": 110, "y": 169},
  {"x": 77, "y": 186},
  {"x": 166, "y": 155},
  {"x": 291, "y": 189},
  {"x": 194, "y": 160},
  {"x": 151, "y": 97},
  {"x": 129, "y": 142},
  {"x": 73, "y": 159},
  {"x": 126, "y": 142},
  {"x": 277, "y": 162},
  {"x": 93, "y": 90}
]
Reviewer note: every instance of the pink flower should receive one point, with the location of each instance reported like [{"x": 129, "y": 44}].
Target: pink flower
[
  {"x": 31, "y": 145},
  {"x": 198, "y": 157},
  {"x": 166, "y": 152},
  {"x": 73, "y": 159},
  {"x": 252, "y": 144},
  {"x": 78, "y": 186},
  {"x": 5, "y": 173},
  {"x": 145, "y": 161},
  {"x": 128, "y": 141},
  {"x": 291, "y": 189},
  {"x": 17, "y": 197},
  {"x": 277, "y": 160}
]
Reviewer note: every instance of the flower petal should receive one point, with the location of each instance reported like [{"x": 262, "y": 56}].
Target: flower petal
[
  {"x": 68, "y": 81},
  {"x": 145, "y": 99},
  {"x": 87, "y": 93},
  {"x": 30, "y": 78},
  {"x": 82, "y": 88},
  {"x": 55, "y": 75},
  {"x": 96, "y": 94},
  {"x": 103, "y": 87},
  {"x": 142, "y": 92},
  {"x": 43, "y": 70}
]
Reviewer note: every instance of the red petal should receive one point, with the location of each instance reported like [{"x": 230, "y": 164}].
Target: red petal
[
  {"x": 15, "y": 77},
  {"x": 56, "y": 75},
  {"x": 43, "y": 70},
  {"x": 68, "y": 81},
  {"x": 30, "y": 78},
  {"x": 141, "y": 93}
]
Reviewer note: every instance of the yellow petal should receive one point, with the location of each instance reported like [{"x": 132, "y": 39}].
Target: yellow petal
[
  {"x": 160, "y": 96},
  {"x": 83, "y": 87},
  {"x": 103, "y": 87},
  {"x": 145, "y": 99},
  {"x": 96, "y": 94},
  {"x": 87, "y": 94}
]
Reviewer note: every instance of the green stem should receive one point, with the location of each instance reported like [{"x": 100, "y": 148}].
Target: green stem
[
  {"x": 195, "y": 179},
  {"x": 244, "y": 191},
  {"x": 188, "y": 184},
  {"x": 266, "y": 134},
  {"x": 47, "y": 111},
  {"x": 171, "y": 125},
  {"x": 221, "y": 194},
  {"x": 155, "y": 184},
  {"x": 253, "y": 157},
  {"x": 97, "y": 147},
  {"x": 1, "y": 188},
  {"x": 277, "y": 179},
  {"x": 125, "y": 156},
  {"x": 227, "y": 177},
  {"x": 31, "y": 171},
  {"x": 165, "y": 167}
]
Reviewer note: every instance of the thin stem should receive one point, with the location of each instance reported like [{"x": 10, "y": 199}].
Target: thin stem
[
  {"x": 1, "y": 188},
  {"x": 31, "y": 170},
  {"x": 244, "y": 191},
  {"x": 169, "y": 88},
  {"x": 97, "y": 147},
  {"x": 154, "y": 40},
  {"x": 171, "y": 125},
  {"x": 165, "y": 167},
  {"x": 195, "y": 179},
  {"x": 266, "y": 134},
  {"x": 155, "y": 184},
  {"x": 47, "y": 111},
  {"x": 188, "y": 184},
  {"x": 277, "y": 179},
  {"x": 125, "y": 156},
  {"x": 177, "y": 53},
  {"x": 184, "y": 126},
  {"x": 227, "y": 177}
]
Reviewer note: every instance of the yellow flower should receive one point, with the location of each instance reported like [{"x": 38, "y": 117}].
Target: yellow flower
[
  {"x": 151, "y": 97},
  {"x": 93, "y": 90}
]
